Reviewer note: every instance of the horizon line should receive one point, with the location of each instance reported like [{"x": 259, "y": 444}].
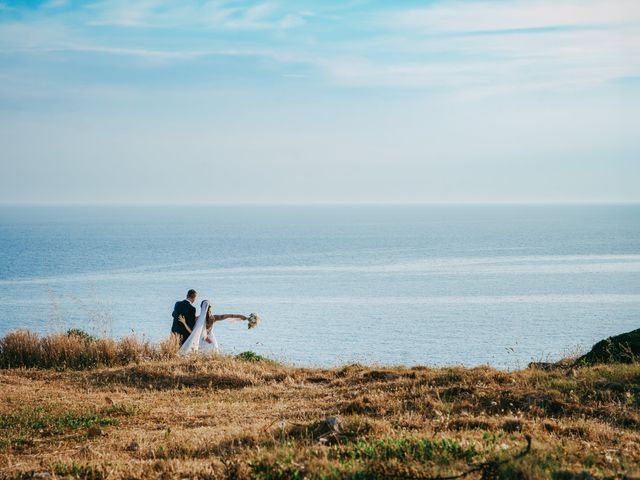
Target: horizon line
[{"x": 320, "y": 204}]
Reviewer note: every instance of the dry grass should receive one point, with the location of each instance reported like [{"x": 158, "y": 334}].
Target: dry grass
[
  {"x": 223, "y": 417},
  {"x": 77, "y": 350}
]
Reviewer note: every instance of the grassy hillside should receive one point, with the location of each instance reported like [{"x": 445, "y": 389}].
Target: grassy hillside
[{"x": 141, "y": 413}]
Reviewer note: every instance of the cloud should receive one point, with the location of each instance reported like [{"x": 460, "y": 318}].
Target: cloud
[
  {"x": 492, "y": 46},
  {"x": 292, "y": 21},
  {"x": 487, "y": 16},
  {"x": 212, "y": 15},
  {"x": 53, "y": 4},
  {"x": 375, "y": 89},
  {"x": 484, "y": 47}
]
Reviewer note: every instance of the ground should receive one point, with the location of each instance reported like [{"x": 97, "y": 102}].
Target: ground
[{"x": 225, "y": 417}]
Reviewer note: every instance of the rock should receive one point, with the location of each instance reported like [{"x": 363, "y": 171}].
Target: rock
[
  {"x": 133, "y": 446},
  {"x": 94, "y": 432},
  {"x": 329, "y": 430},
  {"x": 41, "y": 475},
  {"x": 624, "y": 348},
  {"x": 334, "y": 424}
]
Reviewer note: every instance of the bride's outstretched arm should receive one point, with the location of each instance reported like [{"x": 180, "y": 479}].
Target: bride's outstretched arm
[{"x": 217, "y": 318}]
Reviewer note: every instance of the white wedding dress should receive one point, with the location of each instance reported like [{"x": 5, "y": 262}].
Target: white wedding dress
[
  {"x": 212, "y": 345},
  {"x": 197, "y": 341}
]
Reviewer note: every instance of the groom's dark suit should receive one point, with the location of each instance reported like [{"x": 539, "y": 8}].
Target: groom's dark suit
[{"x": 188, "y": 311}]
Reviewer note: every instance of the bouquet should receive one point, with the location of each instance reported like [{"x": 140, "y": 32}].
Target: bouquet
[{"x": 253, "y": 320}]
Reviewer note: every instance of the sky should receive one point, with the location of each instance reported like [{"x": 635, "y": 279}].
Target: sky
[{"x": 441, "y": 101}]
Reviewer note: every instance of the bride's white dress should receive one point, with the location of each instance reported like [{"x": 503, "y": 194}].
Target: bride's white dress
[
  {"x": 197, "y": 341},
  {"x": 209, "y": 347}
]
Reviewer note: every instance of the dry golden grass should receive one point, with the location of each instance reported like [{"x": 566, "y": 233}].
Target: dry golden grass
[
  {"x": 223, "y": 417},
  {"x": 77, "y": 350}
]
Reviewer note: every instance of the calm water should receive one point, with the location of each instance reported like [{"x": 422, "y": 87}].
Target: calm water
[{"x": 498, "y": 285}]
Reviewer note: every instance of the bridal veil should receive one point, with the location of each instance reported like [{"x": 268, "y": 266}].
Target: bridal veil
[{"x": 193, "y": 342}]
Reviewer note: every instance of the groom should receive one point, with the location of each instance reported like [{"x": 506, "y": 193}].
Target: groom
[{"x": 188, "y": 311}]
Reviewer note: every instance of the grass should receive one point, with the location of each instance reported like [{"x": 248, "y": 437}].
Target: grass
[
  {"x": 74, "y": 470},
  {"x": 78, "y": 350},
  {"x": 21, "y": 428},
  {"x": 158, "y": 416},
  {"x": 45, "y": 422},
  {"x": 407, "y": 449}
]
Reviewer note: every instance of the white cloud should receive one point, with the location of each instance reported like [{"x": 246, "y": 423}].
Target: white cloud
[
  {"x": 169, "y": 14},
  {"x": 521, "y": 14},
  {"x": 398, "y": 55},
  {"x": 492, "y": 46}
]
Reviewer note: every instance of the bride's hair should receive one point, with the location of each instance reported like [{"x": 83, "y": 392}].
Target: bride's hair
[{"x": 209, "y": 323}]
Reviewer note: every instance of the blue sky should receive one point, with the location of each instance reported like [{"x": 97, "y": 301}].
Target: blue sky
[{"x": 322, "y": 102}]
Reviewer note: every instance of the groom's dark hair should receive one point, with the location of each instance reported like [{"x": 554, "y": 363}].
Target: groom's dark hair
[{"x": 191, "y": 293}]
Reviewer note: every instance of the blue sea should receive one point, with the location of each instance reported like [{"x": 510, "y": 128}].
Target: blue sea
[{"x": 431, "y": 285}]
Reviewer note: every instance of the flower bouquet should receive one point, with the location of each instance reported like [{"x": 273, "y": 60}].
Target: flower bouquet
[{"x": 253, "y": 320}]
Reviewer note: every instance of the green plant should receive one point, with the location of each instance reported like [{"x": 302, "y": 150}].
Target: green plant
[
  {"x": 250, "y": 356},
  {"x": 441, "y": 451},
  {"x": 81, "y": 334},
  {"x": 74, "y": 470}
]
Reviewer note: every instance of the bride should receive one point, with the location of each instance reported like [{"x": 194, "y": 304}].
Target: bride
[{"x": 201, "y": 338}]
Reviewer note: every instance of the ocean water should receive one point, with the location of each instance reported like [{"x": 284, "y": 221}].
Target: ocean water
[{"x": 432, "y": 285}]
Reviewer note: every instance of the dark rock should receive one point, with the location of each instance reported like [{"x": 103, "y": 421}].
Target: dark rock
[
  {"x": 334, "y": 424},
  {"x": 94, "y": 432},
  {"x": 133, "y": 446},
  {"x": 624, "y": 348}
]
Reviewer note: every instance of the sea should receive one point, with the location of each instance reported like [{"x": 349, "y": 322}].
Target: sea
[{"x": 435, "y": 285}]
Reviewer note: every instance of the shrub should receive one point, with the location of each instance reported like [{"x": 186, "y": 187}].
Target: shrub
[
  {"x": 20, "y": 349},
  {"x": 169, "y": 347},
  {"x": 77, "y": 350}
]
